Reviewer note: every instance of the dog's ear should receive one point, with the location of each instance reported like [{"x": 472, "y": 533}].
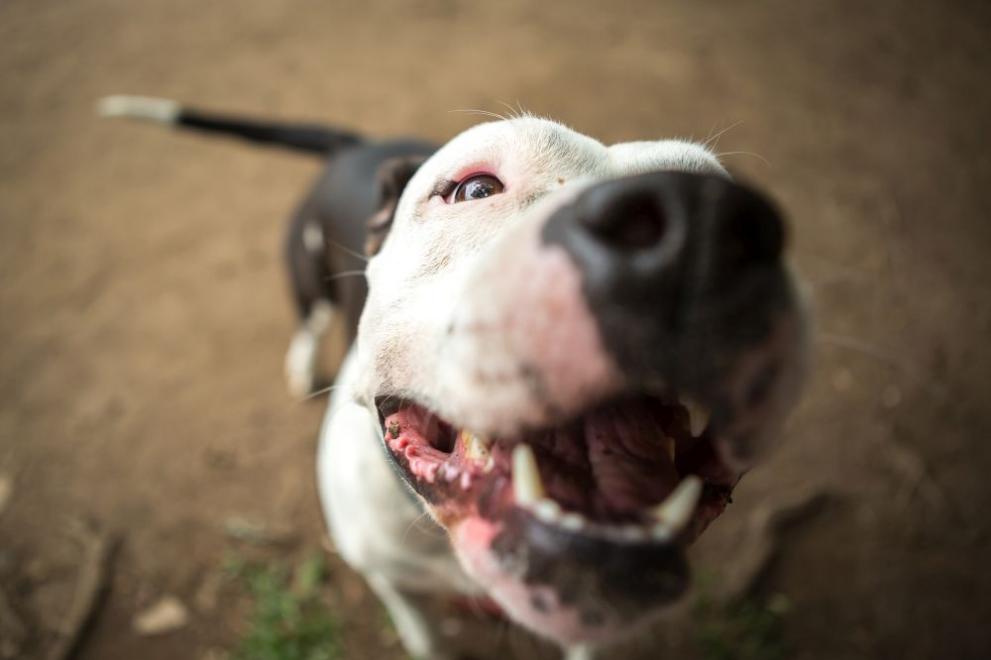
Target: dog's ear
[{"x": 393, "y": 176}]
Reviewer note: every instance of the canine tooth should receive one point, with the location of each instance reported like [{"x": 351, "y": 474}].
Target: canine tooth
[
  {"x": 477, "y": 439},
  {"x": 669, "y": 446},
  {"x": 476, "y": 446},
  {"x": 527, "y": 487},
  {"x": 632, "y": 533},
  {"x": 660, "y": 532},
  {"x": 698, "y": 416},
  {"x": 677, "y": 509},
  {"x": 572, "y": 521},
  {"x": 547, "y": 510}
]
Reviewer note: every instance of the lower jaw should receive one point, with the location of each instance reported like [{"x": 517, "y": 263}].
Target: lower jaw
[
  {"x": 570, "y": 585},
  {"x": 535, "y": 607},
  {"x": 572, "y": 591}
]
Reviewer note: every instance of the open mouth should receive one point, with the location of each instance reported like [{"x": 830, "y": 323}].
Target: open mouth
[
  {"x": 577, "y": 530},
  {"x": 633, "y": 471}
]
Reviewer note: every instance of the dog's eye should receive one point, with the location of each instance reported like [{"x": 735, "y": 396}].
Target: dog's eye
[{"x": 479, "y": 186}]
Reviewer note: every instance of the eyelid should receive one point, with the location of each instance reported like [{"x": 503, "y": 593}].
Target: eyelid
[{"x": 444, "y": 188}]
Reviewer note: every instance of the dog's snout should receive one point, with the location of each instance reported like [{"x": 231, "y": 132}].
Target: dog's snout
[
  {"x": 668, "y": 256},
  {"x": 640, "y": 227}
]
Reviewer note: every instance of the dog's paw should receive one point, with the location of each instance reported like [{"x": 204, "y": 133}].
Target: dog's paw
[{"x": 301, "y": 363}]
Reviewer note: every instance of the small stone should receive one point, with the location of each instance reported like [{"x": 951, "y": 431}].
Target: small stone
[
  {"x": 208, "y": 593},
  {"x": 164, "y": 616}
]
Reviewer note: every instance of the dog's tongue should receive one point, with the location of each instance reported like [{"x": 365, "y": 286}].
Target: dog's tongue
[
  {"x": 629, "y": 455},
  {"x": 612, "y": 464}
]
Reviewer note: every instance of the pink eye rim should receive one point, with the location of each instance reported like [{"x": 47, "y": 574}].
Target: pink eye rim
[{"x": 484, "y": 182}]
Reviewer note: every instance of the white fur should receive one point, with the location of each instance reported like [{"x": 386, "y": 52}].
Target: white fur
[
  {"x": 542, "y": 164},
  {"x": 379, "y": 528},
  {"x": 313, "y": 237},
  {"x": 162, "y": 111},
  {"x": 304, "y": 350}
]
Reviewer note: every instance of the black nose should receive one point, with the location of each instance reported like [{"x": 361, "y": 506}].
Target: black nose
[
  {"x": 669, "y": 255},
  {"x": 657, "y": 221}
]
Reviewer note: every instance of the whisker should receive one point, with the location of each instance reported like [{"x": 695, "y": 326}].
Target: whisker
[
  {"x": 348, "y": 250},
  {"x": 344, "y": 273},
  {"x": 322, "y": 390},
  {"x": 512, "y": 110},
  {"x": 388, "y": 399},
  {"x": 766, "y": 162},
  {"x": 415, "y": 523},
  {"x": 517, "y": 111},
  {"x": 713, "y": 140},
  {"x": 484, "y": 113}
]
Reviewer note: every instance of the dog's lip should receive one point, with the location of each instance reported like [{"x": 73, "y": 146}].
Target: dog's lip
[
  {"x": 712, "y": 492},
  {"x": 530, "y": 553},
  {"x": 387, "y": 404}
]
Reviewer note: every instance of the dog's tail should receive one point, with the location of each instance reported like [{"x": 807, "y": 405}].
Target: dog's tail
[{"x": 298, "y": 137}]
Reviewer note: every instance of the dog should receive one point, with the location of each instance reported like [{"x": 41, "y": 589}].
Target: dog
[{"x": 565, "y": 356}]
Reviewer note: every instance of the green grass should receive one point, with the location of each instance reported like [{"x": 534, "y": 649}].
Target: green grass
[
  {"x": 289, "y": 620},
  {"x": 752, "y": 629}
]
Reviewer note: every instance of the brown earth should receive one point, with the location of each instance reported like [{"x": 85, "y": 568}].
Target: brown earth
[{"x": 143, "y": 314}]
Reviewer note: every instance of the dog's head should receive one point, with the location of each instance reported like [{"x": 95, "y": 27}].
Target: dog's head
[{"x": 575, "y": 351}]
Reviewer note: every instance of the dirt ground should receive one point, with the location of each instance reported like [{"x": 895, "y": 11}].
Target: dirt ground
[{"x": 143, "y": 314}]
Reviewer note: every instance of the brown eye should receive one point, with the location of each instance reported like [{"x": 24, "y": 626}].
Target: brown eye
[{"x": 478, "y": 186}]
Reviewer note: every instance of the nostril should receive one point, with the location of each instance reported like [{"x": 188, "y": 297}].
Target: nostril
[
  {"x": 751, "y": 233},
  {"x": 630, "y": 222},
  {"x": 746, "y": 236}
]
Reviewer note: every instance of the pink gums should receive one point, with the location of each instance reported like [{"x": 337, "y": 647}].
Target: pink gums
[{"x": 405, "y": 438}]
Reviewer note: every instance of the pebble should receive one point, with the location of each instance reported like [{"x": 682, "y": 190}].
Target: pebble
[{"x": 164, "y": 616}]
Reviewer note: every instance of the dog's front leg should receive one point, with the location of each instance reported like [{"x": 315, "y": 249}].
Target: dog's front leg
[
  {"x": 302, "y": 358},
  {"x": 417, "y": 629}
]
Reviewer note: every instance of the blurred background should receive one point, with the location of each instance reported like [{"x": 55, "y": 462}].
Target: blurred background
[{"x": 156, "y": 480}]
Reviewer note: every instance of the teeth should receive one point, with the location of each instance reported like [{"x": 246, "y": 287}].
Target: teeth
[
  {"x": 632, "y": 533},
  {"x": 674, "y": 513},
  {"x": 573, "y": 522},
  {"x": 669, "y": 517},
  {"x": 698, "y": 416},
  {"x": 547, "y": 510},
  {"x": 668, "y": 444},
  {"x": 476, "y": 446},
  {"x": 527, "y": 487},
  {"x": 661, "y": 532}
]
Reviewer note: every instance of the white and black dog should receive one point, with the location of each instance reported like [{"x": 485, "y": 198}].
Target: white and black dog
[{"x": 566, "y": 353}]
